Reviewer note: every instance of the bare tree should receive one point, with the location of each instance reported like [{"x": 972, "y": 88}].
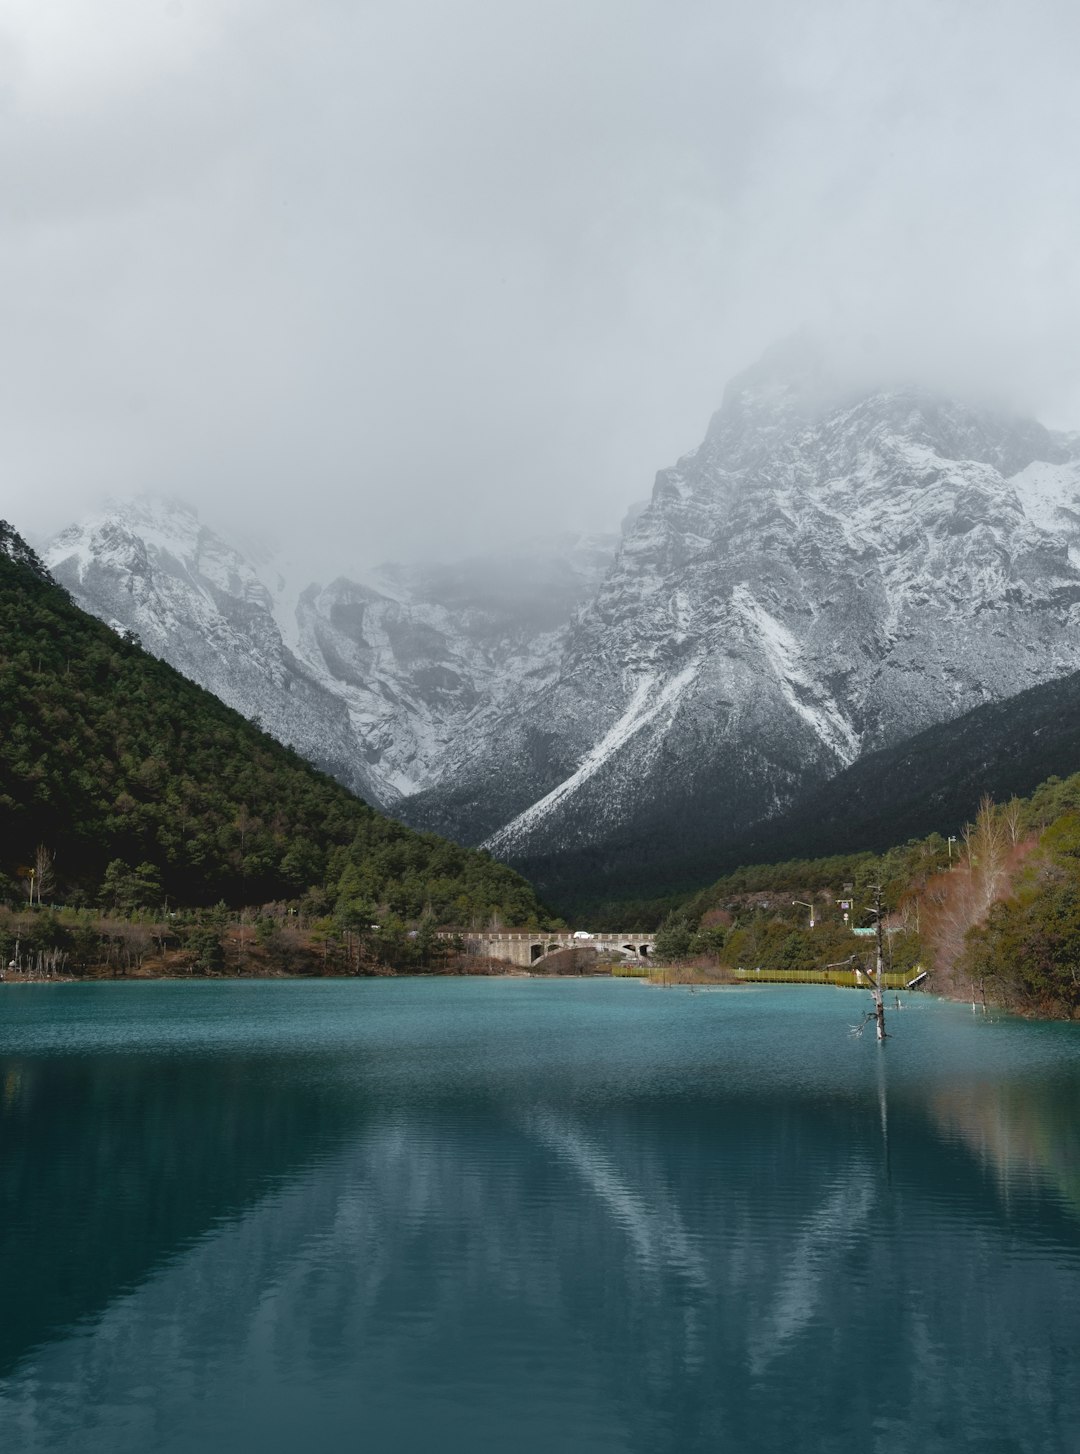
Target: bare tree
[
  {"x": 44, "y": 877},
  {"x": 875, "y": 977},
  {"x": 957, "y": 900},
  {"x": 134, "y": 942},
  {"x": 1012, "y": 817},
  {"x": 873, "y": 974},
  {"x": 986, "y": 843}
]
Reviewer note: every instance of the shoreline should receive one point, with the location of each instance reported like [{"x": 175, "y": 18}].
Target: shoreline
[{"x": 292, "y": 978}]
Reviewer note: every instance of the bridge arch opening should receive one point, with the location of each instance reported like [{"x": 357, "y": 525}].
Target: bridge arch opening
[
  {"x": 643, "y": 950},
  {"x": 536, "y": 951}
]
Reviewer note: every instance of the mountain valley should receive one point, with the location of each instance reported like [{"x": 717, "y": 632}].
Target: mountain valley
[{"x": 827, "y": 575}]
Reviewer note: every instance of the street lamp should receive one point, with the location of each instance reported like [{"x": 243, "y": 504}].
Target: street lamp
[
  {"x": 847, "y": 903},
  {"x": 804, "y": 905},
  {"x": 951, "y": 841}
]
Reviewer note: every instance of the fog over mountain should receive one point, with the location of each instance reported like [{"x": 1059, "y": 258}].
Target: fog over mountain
[
  {"x": 828, "y": 573},
  {"x": 378, "y": 680},
  {"x": 414, "y": 280}
]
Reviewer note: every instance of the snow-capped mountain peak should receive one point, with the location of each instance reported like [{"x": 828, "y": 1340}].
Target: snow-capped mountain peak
[
  {"x": 830, "y": 571},
  {"x": 826, "y": 574},
  {"x": 372, "y": 680}
]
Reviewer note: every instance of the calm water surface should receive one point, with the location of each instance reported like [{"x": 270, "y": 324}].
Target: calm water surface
[{"x": 521, "y": 1216}]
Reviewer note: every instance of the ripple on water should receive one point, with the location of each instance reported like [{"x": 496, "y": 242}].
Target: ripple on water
[{"x": 405, "y": 1215}]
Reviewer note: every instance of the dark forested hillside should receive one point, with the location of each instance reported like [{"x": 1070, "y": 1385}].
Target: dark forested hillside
[
  {"x": 120, "y": 778},
  {"x": 993, "y": 913},
  {"x": 931, "y": 782}
]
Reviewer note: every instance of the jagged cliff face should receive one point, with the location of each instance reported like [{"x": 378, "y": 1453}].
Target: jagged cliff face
[
  {"x": 820, "y": 578},
  {"x": 426, "y": 656},
  {"x": 149, "y": 566},
  {"x": 827, "y": 574},
  {"x": 373, "y": 681}
]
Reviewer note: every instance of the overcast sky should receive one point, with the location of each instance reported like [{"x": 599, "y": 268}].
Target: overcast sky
[{"x": 416, "y": 275}]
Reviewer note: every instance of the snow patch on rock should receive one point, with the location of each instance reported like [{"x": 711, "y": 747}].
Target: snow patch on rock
[{"x": 648, "y": 701}]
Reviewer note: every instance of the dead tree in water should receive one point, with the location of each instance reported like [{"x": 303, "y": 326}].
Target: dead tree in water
[
  {"x": 877, "y": 987},
  {"x": 875, "y": 979}
]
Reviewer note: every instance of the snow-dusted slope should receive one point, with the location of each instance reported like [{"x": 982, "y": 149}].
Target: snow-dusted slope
[
  {"x": 373, "y": 681},
  {"x": 150, "y": 566},
  {"x": 824, "y": 575},
  {"x": 829, "y": 572},
  {"x": 424, "y": 656}
]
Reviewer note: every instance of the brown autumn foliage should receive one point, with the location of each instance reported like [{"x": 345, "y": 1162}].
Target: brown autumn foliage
[
  {"x": 954, "y": 902},
  {"x": 716, "y": 919}
]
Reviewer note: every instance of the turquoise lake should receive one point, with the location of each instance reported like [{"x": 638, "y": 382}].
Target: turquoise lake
[{"x": 532, "y": 1216}]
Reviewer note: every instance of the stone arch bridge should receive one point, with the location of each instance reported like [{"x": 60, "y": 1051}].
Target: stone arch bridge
[{"x": 526, "y": 947}]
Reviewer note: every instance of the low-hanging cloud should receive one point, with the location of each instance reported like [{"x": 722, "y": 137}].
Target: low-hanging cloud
[{"x": 405, "y": 278}]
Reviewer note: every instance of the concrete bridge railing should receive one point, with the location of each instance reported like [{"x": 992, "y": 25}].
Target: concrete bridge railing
[{"x": 526, "y": 947}]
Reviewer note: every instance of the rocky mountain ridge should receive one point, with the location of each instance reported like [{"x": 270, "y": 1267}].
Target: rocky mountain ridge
[
  {"x": 830, "y": 572},
  {"x": 821, "y": 578},
  {"x": 372, "y": 680},
  {"x": 931, "y": 782}
]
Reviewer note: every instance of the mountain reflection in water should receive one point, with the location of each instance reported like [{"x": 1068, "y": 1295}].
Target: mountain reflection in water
[{"x": 532, "y": 1216}]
